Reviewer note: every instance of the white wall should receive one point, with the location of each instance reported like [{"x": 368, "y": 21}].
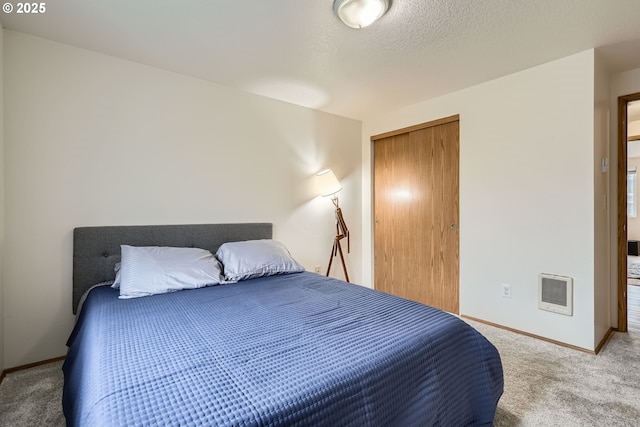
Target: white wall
[
  {"x": 95, "y": 140},
  {"x": 625, "y": 83},
  {"x": 526, "y": 192},
  {"x": 1, "y": 207}
]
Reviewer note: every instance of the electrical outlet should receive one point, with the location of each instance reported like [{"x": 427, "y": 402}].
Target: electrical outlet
[
  {"x": 506, "y": 290},
  {"x": 317, "y": 269}
]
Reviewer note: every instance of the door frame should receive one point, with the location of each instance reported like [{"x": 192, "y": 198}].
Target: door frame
[{"x": 622, "y": 208}]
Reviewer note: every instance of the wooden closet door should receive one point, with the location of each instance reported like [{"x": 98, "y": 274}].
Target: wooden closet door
[{"x": 416, "y": 211}]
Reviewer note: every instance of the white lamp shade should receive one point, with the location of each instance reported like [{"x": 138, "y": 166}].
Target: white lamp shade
[
  {"x": 360, "y": 13},
  {"x": 328, "y": 184}
]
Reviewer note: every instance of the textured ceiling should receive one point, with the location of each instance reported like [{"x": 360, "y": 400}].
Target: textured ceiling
[{"x": 298, "y": 51}]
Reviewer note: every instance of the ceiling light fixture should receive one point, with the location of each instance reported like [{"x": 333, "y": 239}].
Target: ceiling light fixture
[{"x": 360, "y": 13}]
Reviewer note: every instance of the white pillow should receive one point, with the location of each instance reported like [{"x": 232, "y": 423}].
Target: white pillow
[
  {"x": 255, "y": 258},
  {"x": 150, "y": 270},
  {"x": 116, "y": 282}
]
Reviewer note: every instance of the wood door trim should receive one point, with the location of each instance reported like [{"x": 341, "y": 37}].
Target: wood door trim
[
  {"x": 603, "y": 341},
  {"x": 445, "y": 120},
  {"x": 30, "y": 365},
  {"x": 622, "y": 208}
]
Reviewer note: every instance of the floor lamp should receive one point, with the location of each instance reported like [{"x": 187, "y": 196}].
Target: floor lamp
[{"x": 329, "y": 186}]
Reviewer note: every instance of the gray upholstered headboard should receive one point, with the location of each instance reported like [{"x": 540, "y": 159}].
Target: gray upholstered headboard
[{"x": 96, "y": 250}]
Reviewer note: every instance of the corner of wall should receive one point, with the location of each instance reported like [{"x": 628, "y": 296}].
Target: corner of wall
[
  {"x": 1, "y": 200},
  {"x": 602, "y": 211},
  {"x": 560, "y": 94}
]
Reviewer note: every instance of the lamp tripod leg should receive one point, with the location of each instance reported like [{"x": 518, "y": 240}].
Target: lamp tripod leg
[
  {"x": 333, "y": 253},
  {"x": 344, "y": 266}
]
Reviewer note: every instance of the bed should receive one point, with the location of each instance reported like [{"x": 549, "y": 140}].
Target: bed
[
  {"x": 278, "y": 350},
  {"x": 633, "y": 267}
]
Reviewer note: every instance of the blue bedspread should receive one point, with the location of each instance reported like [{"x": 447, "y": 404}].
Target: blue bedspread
[{"x": 297, "y": 349}]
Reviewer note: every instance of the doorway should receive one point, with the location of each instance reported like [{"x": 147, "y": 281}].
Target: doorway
[
  {"x": 416, "y": 211},
  {"x": 623, "y": 203}
]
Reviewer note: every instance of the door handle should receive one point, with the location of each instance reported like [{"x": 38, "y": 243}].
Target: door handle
[{"x": 454, "y": 226}]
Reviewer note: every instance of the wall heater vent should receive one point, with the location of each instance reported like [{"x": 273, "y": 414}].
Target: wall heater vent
[{"x": 555, "y": 293}]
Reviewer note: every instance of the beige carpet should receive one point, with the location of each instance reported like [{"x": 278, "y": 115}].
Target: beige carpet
[
  {"x": 32, "y": 397},
  {"x": 549, "y": 385},
  {"x": 545, "y": 385}
]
